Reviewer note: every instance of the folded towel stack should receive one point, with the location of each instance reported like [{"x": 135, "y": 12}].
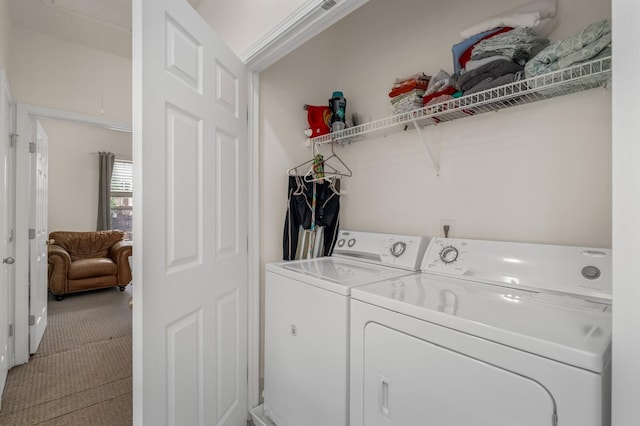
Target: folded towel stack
[{"x": 406, "y": 93}]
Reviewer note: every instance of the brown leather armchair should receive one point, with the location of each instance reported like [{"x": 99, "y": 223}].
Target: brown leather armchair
[{"x": 80, "y": 261}]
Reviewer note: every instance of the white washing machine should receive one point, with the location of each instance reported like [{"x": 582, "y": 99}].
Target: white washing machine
[
  {"x": 491, "y": 334},
  {"x": 306, "y": 372}
]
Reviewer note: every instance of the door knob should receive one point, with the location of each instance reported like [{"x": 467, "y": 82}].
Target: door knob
[{"x": 8, "y": 260}]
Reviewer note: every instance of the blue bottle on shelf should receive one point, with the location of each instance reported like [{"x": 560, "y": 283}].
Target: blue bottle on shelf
[{"x": 338, "y": 105}]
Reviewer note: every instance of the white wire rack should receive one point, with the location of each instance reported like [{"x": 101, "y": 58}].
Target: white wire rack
[{"x": 587, "y": 75}]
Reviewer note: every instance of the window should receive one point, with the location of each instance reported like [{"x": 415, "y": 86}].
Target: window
[{"x": 122, "y": 197}]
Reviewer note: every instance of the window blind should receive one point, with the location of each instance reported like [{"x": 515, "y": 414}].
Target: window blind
[{"x": 122, "y": 177}]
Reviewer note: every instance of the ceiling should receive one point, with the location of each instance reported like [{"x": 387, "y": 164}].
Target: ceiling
[{"x": 100, "y": 24}]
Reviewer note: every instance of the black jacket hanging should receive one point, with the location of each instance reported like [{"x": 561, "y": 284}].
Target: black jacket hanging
[{"x": 299, "y": 213}]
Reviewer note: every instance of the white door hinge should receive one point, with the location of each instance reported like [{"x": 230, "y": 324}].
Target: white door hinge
[
  {"x": 32, "y": 234},
  {"x": 32, "y": 320},
  {"x": 10, "y": 330},
  {"x": 32, "y": 147},
  {"x": 14, "y": 140}
]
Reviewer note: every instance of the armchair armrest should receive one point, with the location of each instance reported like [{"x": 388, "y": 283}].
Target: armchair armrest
[
  {"x": 119, "y": 253},
  {"x": 59, "y": 261}
]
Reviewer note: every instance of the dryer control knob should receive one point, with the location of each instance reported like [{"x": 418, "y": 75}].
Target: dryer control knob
[
  {"x": 591, "y": 272},
  {"x": 449, "y": 254},
  {"x": 398, "y": 248}
]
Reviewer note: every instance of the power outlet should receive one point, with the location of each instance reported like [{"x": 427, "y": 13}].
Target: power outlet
[{"x": 450, "y": 223}]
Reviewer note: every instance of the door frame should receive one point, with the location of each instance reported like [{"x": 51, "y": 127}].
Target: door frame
[
  {"x": 302, "y": 25},
  {"x": 7, "y": 308},
  {"x": 25, "y": 113}
]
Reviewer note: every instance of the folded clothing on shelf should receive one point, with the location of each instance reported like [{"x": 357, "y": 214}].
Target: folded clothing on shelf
[
  {"x": 407, "y": 101},
  {"x": 486, "y": 73},
  {"x": 592, "y": 42},
  {"x": 446, "y": 91},
  {"x": 406, "y": 93},
  {"x": 519, "y": 44},
  {"x": 462, "y": 51}
]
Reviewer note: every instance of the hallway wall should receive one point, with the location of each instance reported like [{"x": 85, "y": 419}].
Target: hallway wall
[
  {"x": 73, "y": 176},
  {"x": 51, "y": 72},
  {"x": 5, "y": 33}
]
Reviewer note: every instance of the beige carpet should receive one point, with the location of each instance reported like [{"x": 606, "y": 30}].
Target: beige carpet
[{"x": 81, "y": 373}]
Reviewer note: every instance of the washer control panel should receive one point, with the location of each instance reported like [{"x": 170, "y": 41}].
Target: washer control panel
[{"x": 402, "y": 251}]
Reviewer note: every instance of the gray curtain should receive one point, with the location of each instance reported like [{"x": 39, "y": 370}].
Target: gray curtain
[{"x": 104, "y": 190}]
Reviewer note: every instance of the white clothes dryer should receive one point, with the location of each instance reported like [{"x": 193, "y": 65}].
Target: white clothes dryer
[
  {"x": 492, "y": 334},
  {"x": 306, "y": 361}
]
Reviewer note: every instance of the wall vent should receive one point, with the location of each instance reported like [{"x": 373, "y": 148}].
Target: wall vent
[{"x": 328, "y": 4}]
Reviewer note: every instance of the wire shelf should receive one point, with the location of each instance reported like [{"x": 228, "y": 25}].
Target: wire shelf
[{"x": 584, "y": 76}]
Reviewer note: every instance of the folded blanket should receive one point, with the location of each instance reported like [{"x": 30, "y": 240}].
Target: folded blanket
[
  {"x": 490, "y": 83},
  {"x": 466, "y": 56},
  {"x": 532, "y": 14},
  {"x": 477, "y": 63},
  {"x": 583, "y": 46},
  {"x": 491, "y": 70},
  {"x": 520, "y": 44},
  {"x": 462, "y": 51}
]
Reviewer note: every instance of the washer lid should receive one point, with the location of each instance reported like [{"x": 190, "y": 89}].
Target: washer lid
[
  {"x": 335, "y": 274},
  {"x": 570, "y": 330}
]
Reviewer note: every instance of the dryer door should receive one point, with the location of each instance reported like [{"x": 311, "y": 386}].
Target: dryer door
[{"x": 409, "y": 381}]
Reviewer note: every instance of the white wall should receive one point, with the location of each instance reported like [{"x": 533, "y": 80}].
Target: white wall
[
  {"x": 626, "y": 211},
  {"x": 51, "y": 72},
  {"x": 538, "y": 173},
  {"x": 243, "y": 22},
  {"x": 5, "y": 33},
  {"x": 73, "y": 171}
]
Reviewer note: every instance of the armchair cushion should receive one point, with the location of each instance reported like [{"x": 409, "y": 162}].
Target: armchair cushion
[
  {"x": 86, "y": 260},
  {"x": 87, "y": 268}
]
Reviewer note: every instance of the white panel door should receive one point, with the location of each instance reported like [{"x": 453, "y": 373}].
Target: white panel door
[
  {"x": 38, "y": 236},
  {"x": 190, "y": 232},
  {"x": 7, "y": 244}
]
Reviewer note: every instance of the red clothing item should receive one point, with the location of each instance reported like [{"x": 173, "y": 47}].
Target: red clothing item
[
  {"x": 411, "y": 84},
  {"x": 449, "y": 90}
]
